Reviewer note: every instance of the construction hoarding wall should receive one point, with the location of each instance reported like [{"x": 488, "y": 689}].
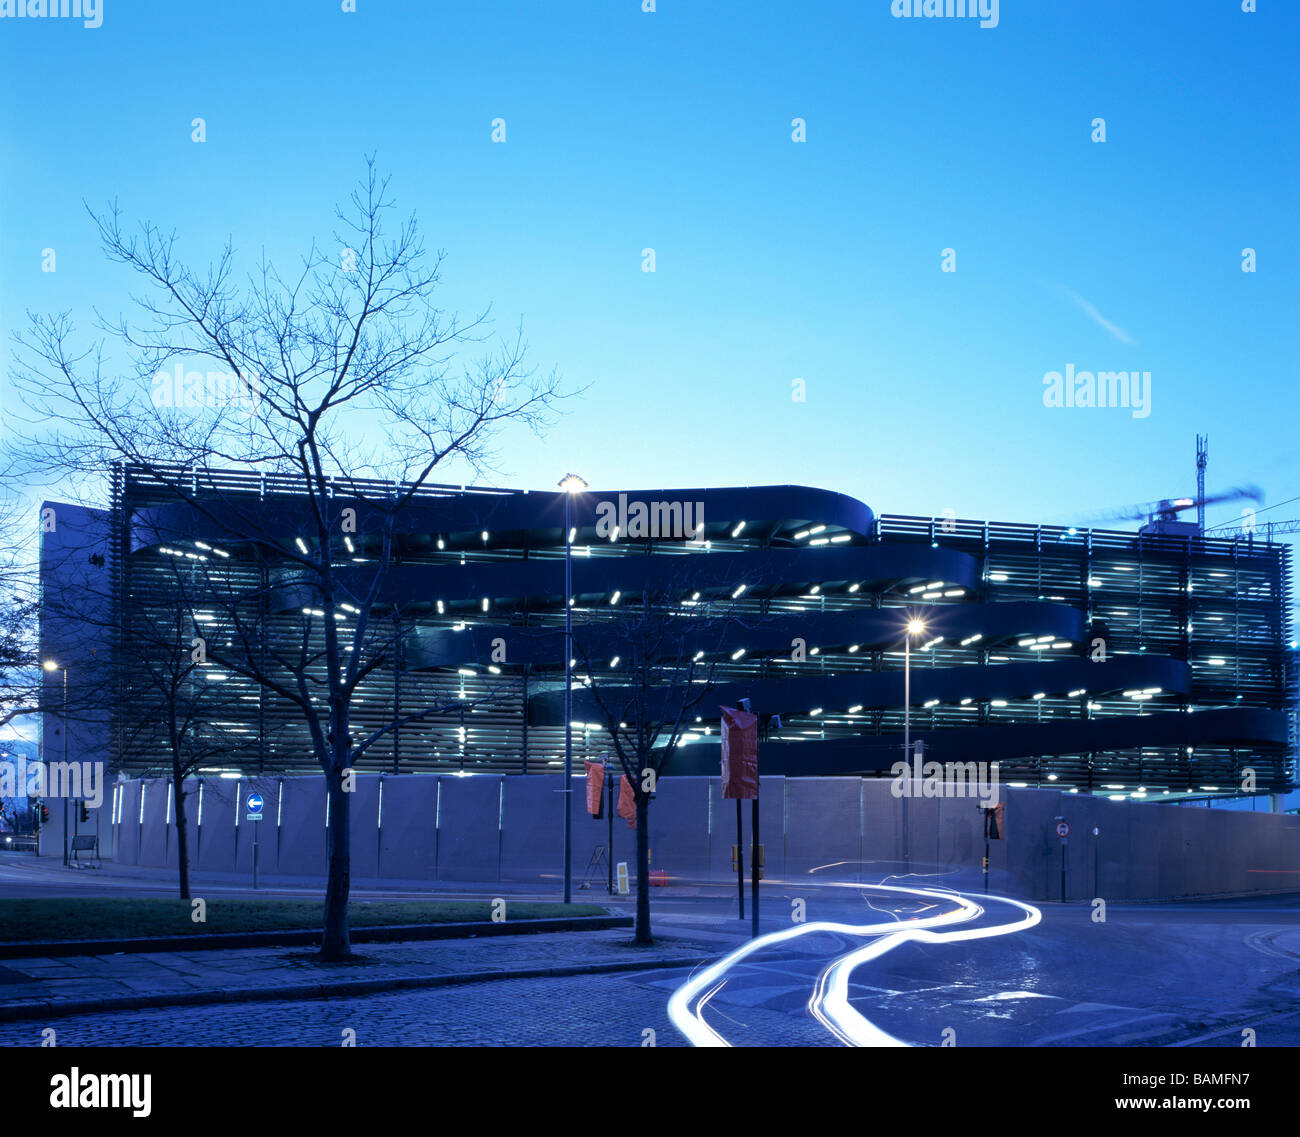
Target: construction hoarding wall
[{"x": 426, "y": 827}]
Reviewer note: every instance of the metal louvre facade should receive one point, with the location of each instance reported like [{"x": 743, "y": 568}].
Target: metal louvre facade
[{"x": 1097, "y": 660}]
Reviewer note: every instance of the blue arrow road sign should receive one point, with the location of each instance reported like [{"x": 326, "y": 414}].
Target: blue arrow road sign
[{"x": 254, "y": 802}]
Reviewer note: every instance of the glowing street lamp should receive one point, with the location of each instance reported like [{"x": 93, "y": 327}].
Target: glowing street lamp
[
  {"x": 570, "y": 484},
  {"x": 915, "y": 627}
]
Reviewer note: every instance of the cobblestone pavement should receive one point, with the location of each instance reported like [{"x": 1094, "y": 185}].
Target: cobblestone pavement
[
  {"x": 53, "y": 979},
  {"x": 581, "y": 1010}
]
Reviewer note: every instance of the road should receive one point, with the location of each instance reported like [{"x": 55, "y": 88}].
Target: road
[
  {"x": 1170, "y": 977},
  {"x": 1173, "y": 974}
]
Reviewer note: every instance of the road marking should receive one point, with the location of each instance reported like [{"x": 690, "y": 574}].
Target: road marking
[
  {"x": 1263, "y": 942},
  {"x": 829, "y": 1001}
]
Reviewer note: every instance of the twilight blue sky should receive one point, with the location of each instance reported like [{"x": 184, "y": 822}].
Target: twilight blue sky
[{"x": 775, "y": 260}]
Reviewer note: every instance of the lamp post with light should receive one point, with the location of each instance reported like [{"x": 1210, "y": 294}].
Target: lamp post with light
[
  {"x": 52, "y": 665},
  {"x": 570, "y": 484},
  {"x": 914, "y": 628}
]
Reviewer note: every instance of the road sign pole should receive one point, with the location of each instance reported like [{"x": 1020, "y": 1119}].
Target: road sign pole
[
  {"x": 988, "y": 821},
  {"x": 1063, "y": 832},
  {"x": 740, "y": 858},
  {"x": 253, "y": 804},
  {"x": 1096, "y": 860},
  {"x": 754, "y": 865}
]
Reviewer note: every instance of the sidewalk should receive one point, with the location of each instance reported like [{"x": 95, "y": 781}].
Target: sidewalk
[
  {"x": 43, "y": 987},
  {"x": 691, "y": 927},
  {"x": 25, "y": 875}
]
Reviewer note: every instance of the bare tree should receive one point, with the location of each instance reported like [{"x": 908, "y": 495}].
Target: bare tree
[
  {"x": 647, "y": 672},
  {"x": 351, "y": 347},
  {"x": 172, "y": 695},
  {"x": 20, "y": 671}
]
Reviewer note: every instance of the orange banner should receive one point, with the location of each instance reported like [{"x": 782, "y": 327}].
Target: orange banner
[
  {"x": 595, "y": 787},
  {"x": 627, "y": 802}
]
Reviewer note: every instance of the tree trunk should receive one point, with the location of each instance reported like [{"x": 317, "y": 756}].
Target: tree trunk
[
  {"x": 178, "y": 792},
  {"x": 182, "y": 835},
  {"x": 335, "y": 943},
  {"x": 643, "y": 870}
]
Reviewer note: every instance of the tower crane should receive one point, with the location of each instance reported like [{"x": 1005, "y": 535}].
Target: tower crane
[
  {"x": 1265, "y": 530},
  {"x": 1162, "y": 516}
]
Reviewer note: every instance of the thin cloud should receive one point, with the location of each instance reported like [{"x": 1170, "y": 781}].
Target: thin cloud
[{"x": 1098, "y": 319}]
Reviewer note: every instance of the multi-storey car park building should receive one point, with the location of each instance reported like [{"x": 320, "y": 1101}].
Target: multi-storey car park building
[{"x": 1147, "y": 665}]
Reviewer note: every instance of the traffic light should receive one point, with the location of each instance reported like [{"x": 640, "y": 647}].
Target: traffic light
[
  {"x": 44, "y": 814},
  {"x": 85, "y": 813}
]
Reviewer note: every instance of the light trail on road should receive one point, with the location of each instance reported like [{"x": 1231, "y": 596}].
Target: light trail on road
[{"x": 829, "y": 1002}]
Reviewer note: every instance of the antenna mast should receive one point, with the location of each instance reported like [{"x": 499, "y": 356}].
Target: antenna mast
[{"x": 1202, "y": 456}]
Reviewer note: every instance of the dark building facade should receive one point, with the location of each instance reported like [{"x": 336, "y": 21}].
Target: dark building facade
[{"x": 1108, "y": 662}]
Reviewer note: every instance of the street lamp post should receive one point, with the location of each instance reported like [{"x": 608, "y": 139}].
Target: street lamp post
[
  {"x": 570, "y": 484},
  {"x": 914, "y": 628},
  {"x": 907, "y": 694},
  {"x": 51, "y": 665}
]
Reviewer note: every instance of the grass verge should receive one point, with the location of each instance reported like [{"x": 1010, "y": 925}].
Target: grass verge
[{"x": 128, "y": 918}]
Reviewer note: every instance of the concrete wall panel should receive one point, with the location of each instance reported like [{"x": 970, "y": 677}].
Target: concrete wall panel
[
  {"x": 300, "y": 836},
  {"x": 469, "y": 836},
  {"x": 679, "y": 828},
  {"x": 153, "y": 833},
  {"x": 408, "y": 843},
  {"x": 128, "y": 828},
  {"x": 215, "y": 850},
  {"x": 822, "y": 827},
  {"x": 882, "y": 829},
  {"x": 532, "y": 838}
]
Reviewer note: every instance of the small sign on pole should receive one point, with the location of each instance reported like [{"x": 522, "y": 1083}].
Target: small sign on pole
[
  {"x": 254, "y": 804},
  {"x": 622, "y": 878},
  {"x": 739, "y": 781},
  {"x": 1063, "y": 832}
]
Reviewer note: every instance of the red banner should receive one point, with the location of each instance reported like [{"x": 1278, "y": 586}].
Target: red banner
[
  {"x": 627, "y": 802},
  {"x": 739, "y": 753},
  {"x": 595, "y": 787}
]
